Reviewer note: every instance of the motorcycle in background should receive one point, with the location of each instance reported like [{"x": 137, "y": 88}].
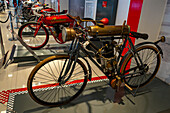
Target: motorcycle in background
[{"x": 28, "y": 12}]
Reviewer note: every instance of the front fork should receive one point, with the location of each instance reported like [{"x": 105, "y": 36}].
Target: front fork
[
  {"x": 39, "y": 24},
  {"x": 73, "y": 56},
  {"x": 37, "y": 28}
]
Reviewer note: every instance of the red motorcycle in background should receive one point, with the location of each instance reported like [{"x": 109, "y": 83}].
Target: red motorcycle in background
[{"x": 36, "y": 35}]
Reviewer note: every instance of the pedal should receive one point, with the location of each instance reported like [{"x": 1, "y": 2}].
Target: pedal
[
  {"x": 116, "y": 83},
  {"x": 128, "y": 87}
]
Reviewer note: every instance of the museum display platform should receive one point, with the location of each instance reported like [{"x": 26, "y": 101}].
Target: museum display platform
[
  {"x": 22, "y": 54},
  {"x": 98, "y": 98}
]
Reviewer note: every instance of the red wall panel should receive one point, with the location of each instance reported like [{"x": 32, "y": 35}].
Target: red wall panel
[{"x": 134, "y": 15}]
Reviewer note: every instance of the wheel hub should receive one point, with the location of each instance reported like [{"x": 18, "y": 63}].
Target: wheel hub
[{"x": 146, "y": 68}]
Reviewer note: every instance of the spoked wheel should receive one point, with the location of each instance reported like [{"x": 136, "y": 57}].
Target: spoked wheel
[
  {"x": 138, "y": 75},
  {"x": 44, "y": 86},
  {"x": 27, "y": 34}
]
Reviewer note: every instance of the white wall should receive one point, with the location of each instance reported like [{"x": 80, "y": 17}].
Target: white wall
[
  {"x": 150, "y": 22},
  {"x": 122, "y": 11},
  {"x": 151, "y": 17},
  {"x": 64, "y": 5},
  {"x": 164, "y": 72}
]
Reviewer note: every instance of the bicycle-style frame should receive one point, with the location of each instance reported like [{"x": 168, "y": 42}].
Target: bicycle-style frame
[
  {"x": 42, "y": 20},
  {"x": 76, "y": 47}
]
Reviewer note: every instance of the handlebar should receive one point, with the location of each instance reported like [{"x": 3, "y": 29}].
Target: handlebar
[
  {"x": 139, "y": 35},
  {"x": 63, "y": 12}
]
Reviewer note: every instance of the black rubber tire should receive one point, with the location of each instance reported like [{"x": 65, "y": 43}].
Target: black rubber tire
[
  {"x": 140, "y": 79},
  {"x": 26, "y": 34},
  {"x": 45, "y": 93}
]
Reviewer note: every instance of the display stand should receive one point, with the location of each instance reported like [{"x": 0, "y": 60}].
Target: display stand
[
  {"x": 7, "y": 58},
  {"x": 12, "y": 28},
  {"x": 28, "y": 48},
  {"x": 16, "y": 18},
  {"x": 134, "y": 92},
  {"x": 23, "y": 55}
]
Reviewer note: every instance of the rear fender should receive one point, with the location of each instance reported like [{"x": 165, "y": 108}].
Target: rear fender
[
  {"x": 137, "y": 46},
  {"x": 150, "y": 43}
]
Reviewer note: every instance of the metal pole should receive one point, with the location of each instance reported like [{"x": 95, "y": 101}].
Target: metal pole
[
  {"x": 16, "y": 17},
  {"x": 12, "y": 28},
  {"x": 1, "y": 43},
  {"x": 28, "y": 48}
]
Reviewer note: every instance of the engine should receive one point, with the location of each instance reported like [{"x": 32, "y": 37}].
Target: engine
[{"x": 106, "y": 56}]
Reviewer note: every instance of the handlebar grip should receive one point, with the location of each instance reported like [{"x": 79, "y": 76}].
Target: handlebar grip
[{"x": 139, "y": 35}]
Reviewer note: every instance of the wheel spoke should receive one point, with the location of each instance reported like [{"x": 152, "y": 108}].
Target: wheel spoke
[
  {"x": 138, "y": 76},
  {"x": 57, "y": 93},
  {"x": 27, "y": 31}
]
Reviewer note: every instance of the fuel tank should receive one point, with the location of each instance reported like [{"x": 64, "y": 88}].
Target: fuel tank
[
  {"x": 50, "y": 20},
  {"x": 108, "y": 30}
]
